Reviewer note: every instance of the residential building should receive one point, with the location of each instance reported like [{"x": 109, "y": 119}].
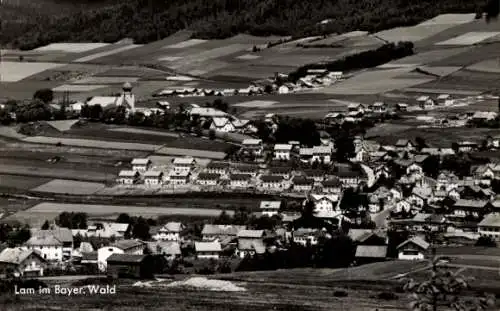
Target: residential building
[
  {"x": 208, "y": 179},
  {"x": 405, "y": 145},
  {"x": 321, "y": 154},
  {"x": 273, "y": 183},
  {"x": 153, "y": 178},
  {"x": 443, "y": 99},
  {"x": 64, "y": 235},
  {"x": 21, "y": 262},
  {"x": 171, "y": 231},
  {"x": 306, "y": 154},
  {"x": 222, "y": 124},
  {"x": 282, "y": 151},
  {"x": 183, "y": 164},
  {"x": 251, "y": 170},
  {"x": 305, "y": 236},
  {"x": 270, "y": 208},
  {"x": 179, "y": 178},
  {"x": 370, "y": 253},
  {"x": 326, "y": 205},
  {"x": 252, "y": 147},
  {"x": 425, "y": 102},
  {"x": 103, "y": 230},
  {"x": 131, "y": 266},
  {"x": 208, "y": 250},
  {"x": 412, "y": 249},
  {"x": 126, "y": 177},
  {"x": 316, "y": 175},
  {"x": 141, "y": 164},
  {"x": 103, "y": 254},
  {"x": 349, "y": 178},
  {"x": 239, "y": 181},
  {"x": 402, "y": 107},
  {"x": 470, "y": 209},
  {"x": 48, "y": 246},
  {"x": 132, "y": 247},
  {"x": 490, "y": 226},
  {"x": 250, "y": 242},
  {"x": 332, "y": 185},
  {"x": 379, "y": 107},
  {"x": 467, "y": 146},
  {"x": 302, "y": 184},
  {"x": 169, "y": 249},
  {"x": 220, "y": 232},
  {"x": 220, "y": 168},
  {"x": 281, "y": 171}
]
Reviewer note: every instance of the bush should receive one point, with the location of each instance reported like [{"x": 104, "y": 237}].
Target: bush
[
  {"x": 486, "y": 241},
  {"x": 387, "y": 296},
  {"x": 340, "y": 293}
]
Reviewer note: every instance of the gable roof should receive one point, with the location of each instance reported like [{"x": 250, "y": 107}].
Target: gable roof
[
  {"x": 250, "y": 234},
  {"x": 251, "y": 142},
  {"x": 371, "y": 251},
  {"x": 240, "y": 177},
  {"x": 152, "y": 174},
  {"x": 249, "y": 245},
  {"x": 126, "y": 258},
  {"x": 214, "y": 246},
  {"x": 271, "y": 178},
  {"x": 470, "y": 203},
  {"x": 208, "y": 176},
  {"x": 16, "y": 255},
  {"x": 491, "y": 220},
  {"x": 417, "y": 241},
  {"x": 220, "y": 122},
  {"x": 140, "y": 161},
  {"x": 172, "y": 227},
  {"x": 283, "y": 147},
  {"x": 62, "y": 234},
  {"x": 209, "y": 229},
  {"x": 168, "y": 248},
  {"x": 48, "y": 240},
  {"x": 127, "y": 244},
  {"x": 128, "y": 173}
]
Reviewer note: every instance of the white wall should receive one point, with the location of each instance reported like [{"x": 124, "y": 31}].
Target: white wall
[
  {"x": 103, "y": 253},
  {"x": 403, "y": 256},
  {"x": 50, "y": 252}
]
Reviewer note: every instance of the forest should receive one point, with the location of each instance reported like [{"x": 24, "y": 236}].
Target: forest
[{"x": 26, "y": 26}]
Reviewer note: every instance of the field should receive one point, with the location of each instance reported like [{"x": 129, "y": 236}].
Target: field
[
  {"x": 69, "y": 186},
  {"x": 15, "y": 71},
  {"x": 469, "y": 38},
  {"x": 71, "y": 47}
]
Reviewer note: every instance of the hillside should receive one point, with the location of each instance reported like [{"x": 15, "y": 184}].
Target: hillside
[{"x": 209, "y": 19}]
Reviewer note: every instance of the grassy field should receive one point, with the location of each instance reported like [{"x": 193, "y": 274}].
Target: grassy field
[
  {"x": 21, "y": 182},
  {"x": 69, "y": 186}
]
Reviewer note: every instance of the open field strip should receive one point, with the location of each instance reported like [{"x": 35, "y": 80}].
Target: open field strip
[
  {"x": 413, "y": 33},
  {"x": 489, "y": 65},
  {"x": 10, "y": 132},
  {"x": 63, "y": 186},
  {"x": 214, "y": 53},
  {"x": 88, "y": 143},
  {"x": 141, "y": 131},
  {"x": 192, "y": 152},
  {"x": 92, "y": 57},
  {"x": 185, "y": 44},
  {"x": 451, "y": 19},
  {"x": 169, "y": 58},
  {"x": 429, "y": 56},
  {"x": 441, "y": 70},
  {"x": 78, "y": 87},
  {"x": 62, "y": 125},
  {"x": 24, "y": 170},
  {"x": 106, "y": 80},
  {"x": 17, "y": 71},
  {"x": 71, "y": 47},
  {"x": 248, "y": 57},
  {"x": 442, "y": 91},
  {"x": 21, "y": 182},
  {"x": 470, "y": 38},
  {"x": 256, "y": 104}
]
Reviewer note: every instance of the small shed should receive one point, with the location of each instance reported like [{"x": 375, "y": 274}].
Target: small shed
[{"x": 130, "y": 266}]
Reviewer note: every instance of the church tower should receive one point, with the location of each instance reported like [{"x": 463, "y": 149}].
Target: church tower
[{"x": 127, "y": 99}]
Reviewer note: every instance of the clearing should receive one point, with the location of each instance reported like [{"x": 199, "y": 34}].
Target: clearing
[
  {"x": 64, "y": 186},
  {"x": 71, "y": 47},
  {"x": 470, "y": 38},
  {"x": 78, "y": 88},
  {"x": 95, "y": 56},
  {"x": 17, "y": 71}
]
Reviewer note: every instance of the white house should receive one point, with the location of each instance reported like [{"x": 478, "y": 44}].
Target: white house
[
  {"x": 443, "y": 99},
  {"x": 208, "y": 179},
  {"x": 490, "y": 226},
  {"x": 270, "y": 208},
  {"x": 126, "y": 177},
  {"x": 412, "y": 249},
  {"x": 325, "y": 205},
  {"x": 153, "y": 178},
  {"x": 252, "y": 146},
  {"x": 222, "y": 124},
  {"x": 220, "y": 168},
  {"x": 332, "y": 185},
  {"x": 282, "y": 151},
  {"x": 379, "y": 107},
  {"x": 171, "y": 231},
  {"x": 103, "y": 254},
  {"x": 179, "y": 178},
  {"x": 273, "y": 183},
  {"x": 22, "y": 262},
  {"x": 183, "y": 164},
  {"x": 302, "y": 184},
  {"x": 140, "y": 164},
  {"x": 304, "y": 236},
  {"x": 239, "y": 181},
  {"x": 207, "y": 250},
  {"x": 321, "y": 154},
  {"x": 48, "y": 246}
]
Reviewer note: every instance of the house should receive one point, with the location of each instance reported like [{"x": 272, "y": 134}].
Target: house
[
  {"x": 490, "y": 226},
  {"x": 52, "y": 245},
  {"x": 350, "y": 178},
  {"x": 252, "y": 147},
  {"x": 405, "y": 145},
  {"x": 379, "y": 107},
  {"x": 153, "y": 178},
  {"x": 179, "y": 178},
  {"x": 425, "y": 102},
  {"x": 414, "y": 169},
  {"x": 169, "y": 249},
  {"x": 484, "y": 116},
  {"x": 206, "y": 112},
  {"x": 368, "y": 236},
  {"x": 326, "y": 205},
  {"x": 171, "y": 231},
  {"x": 302, "y": 184},
  {"x": 250, "y": 242},
  {"x": 229, "y": 92},
  {"x": 321, "y": 154},
  {"x": 126, "y": 177},
  {"x": 306, "y": 154},
  {"x": 316, "y": 175},
  {"x": 402, "y": 107},
  {"x": 251, "y": 170},
  {"x": 208, "y": 179},
  {"x": 282, "y": 151},
  {"x": 305, "y": 236},
  {"x": 273, "y": 183},
  {"x": 470, "y": 209},
  {"x": 281, "y": 171},
  {"x": 130, "y": 266},
  {"x": 356, "y": 108},
  {"x": 140, "y": 164},
  {"x": 21, "y": 262},
  {"x": 241, "y": 181},
  {"x": 370, "y": 253},
  {"x": 443, "y": 99},
  {"x": 419, "y": 196},
  {"x": 466, "y": 146},
  {"x": 333, "y": 118},
  {"x": 103, "y": 230},
  {"x": 183, "y": 164},
  {"x": 222, "y": 124},
  {"x": 270, "y": 208},
  {"x": 412, "y": 249},
  {"x": 220, "y": 168},
  {"x": 220, "y": 232},
  {"x": 208, "y": 250},
  {"x": 403, "y": 206},
  {"x": 332, "y": 185}
]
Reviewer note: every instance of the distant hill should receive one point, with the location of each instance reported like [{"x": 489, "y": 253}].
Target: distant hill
[{"x": 27, "y": 25}]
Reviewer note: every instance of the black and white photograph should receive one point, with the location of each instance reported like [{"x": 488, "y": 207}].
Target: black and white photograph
[{"x": 249, "y": 155}]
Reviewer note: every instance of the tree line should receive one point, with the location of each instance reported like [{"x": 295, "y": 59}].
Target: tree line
[{"x": 145, "y": 21}]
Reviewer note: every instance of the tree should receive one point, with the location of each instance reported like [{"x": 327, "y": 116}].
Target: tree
[
  {"x": 223, "y": 219},
  {"x": 45, "y": 95},
  {"x": 96, "y": 112},
  {"x": 18, "y": 237},
  {"x": 72, "y": 220},
  {"x": 420, "y": 143},
  {"x": 141, "y": 229},
  {"x": 345, "y": 148},
  {"x": 486, "y": 241},
  {"x": 123, "y": 218},
  {"x": 431, "y": 166},
  {"x": 211, "y": 134},
  {"x": 46, "y": 225}
]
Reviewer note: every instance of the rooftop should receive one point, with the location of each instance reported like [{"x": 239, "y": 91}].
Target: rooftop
[
  {"x": 283, "y": 147},
  {"x": 15, "y": 255},
  {"x": 153, "y": 174},
  {"x": 371, "y": 251},
  {"x": 125, "y": 258},
  {"x": 491, "y": 220},
  {"x": 417, "y": 241},
  {"x": 214, "y": 246},
  {"x": 140, "y": 161},
  {"x": 250, "y": 234},
  {"x": 270, "y": 205},
  {"x": 240, "y": 176},
  {"x": 252, "y": 142},
  {"x": 127, "y": 173},
  {"x": 208, "y": 176},
  {"x": 127, "y": 244}
]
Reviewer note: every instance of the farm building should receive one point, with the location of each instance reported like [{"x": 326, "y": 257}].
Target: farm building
[
  {"x": 282, "y": 151},
  {"x": 270, "y": 208},
  {"x": 133, "y": 247},
  {"x": 126, "y": 177},
  {"x": 179, "y": 178},
  {"x": 250, "y": 242},
  {"x": 490, "y": 226},
  {"x": 207, "y": 250},
  {"x": 22, "y": 262},
  {"x": 130, "y": 266},
  {"x": 412, "y": 249},
  {"x": 171, "y": 231},
  {"x": 240, "y": 180},
  {"x": 140, "y": 164},
  {"x": 208, "y": 179},
  {"x": 183, "y": 164},
  {"x": 153, "y": 178}
]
